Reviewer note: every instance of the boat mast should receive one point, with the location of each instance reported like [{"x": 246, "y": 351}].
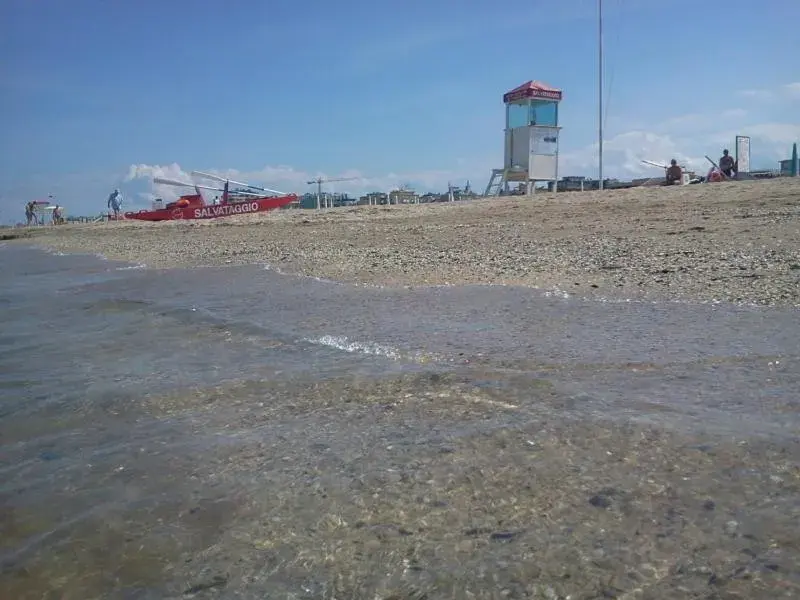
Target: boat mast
[{"x": 600, "y": 89}]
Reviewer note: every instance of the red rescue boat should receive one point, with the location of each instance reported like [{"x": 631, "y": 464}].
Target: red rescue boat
[{"x": 193, "y": 206}]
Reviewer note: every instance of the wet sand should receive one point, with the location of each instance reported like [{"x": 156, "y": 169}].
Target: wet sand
[{"x": 736, "y": 242}]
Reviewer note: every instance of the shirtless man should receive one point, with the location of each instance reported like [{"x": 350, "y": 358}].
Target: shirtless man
[
  {"x": 674, "y": 173},
  {"x": 727, "y": 165}
]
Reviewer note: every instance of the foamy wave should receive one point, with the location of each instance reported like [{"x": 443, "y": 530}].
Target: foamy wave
[
  {"x": 52, "y": 251},
  {"x": 681, "y": 301},
  {"x": 342, "y": 343},
  {"x": 556, "y": 293},
  {"x": 274, "y": 269},
  {"x": 131, "y": 267}
]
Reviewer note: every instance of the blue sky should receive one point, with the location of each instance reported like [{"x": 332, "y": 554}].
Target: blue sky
[{"x": 97, "y": 94}]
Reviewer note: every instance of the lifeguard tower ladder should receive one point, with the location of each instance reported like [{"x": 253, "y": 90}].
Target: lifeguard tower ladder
[{"x": 531, "y": 138}]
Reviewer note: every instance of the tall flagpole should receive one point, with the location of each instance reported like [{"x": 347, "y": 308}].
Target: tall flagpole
[{"x": 600, "y": 88}]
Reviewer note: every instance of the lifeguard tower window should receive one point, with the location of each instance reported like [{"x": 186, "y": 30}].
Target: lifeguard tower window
[{"x": 540, "y": 112}]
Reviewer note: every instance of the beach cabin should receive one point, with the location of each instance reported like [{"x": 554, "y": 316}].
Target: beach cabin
[{"x": 531, "y": 138}]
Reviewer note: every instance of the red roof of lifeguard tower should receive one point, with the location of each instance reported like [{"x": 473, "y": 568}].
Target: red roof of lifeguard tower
[{"x": 532, "y": 89}]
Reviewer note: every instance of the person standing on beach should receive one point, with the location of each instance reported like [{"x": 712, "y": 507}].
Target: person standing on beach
[
  {"x": 115, "y": 202},
  {"x": 726, "y": 164}
]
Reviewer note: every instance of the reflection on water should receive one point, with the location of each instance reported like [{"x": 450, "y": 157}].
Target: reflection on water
[{"x": 236, "y": 433}]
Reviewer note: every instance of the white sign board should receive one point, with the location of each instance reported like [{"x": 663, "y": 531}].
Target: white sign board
[{"x": 743, "y": 154}]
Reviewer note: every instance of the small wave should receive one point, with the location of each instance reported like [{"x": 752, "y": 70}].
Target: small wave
[
  {"x": 53, "y": 252},
  {"x": 131, "y": 267},
  {"x": 340, "y": 342},
  {"x": 343, "y": 343},
  {"x": 679, "y": 301},
  {"x": 274, "y": 269},
  {"x": 556, "y": 293}
]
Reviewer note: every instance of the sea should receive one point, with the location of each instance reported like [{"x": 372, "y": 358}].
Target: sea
[{"x": 127, "y": 396}]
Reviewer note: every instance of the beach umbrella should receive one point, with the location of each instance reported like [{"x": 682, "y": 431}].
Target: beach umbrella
[{"x": 794, "y": 168}]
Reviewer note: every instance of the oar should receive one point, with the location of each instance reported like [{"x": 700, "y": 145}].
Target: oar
[
  {"x": 716, "y": 166},
  {"x": 647, "y": 162},
  {"x": 240, "y": 183},
  {"x": 177, "y": 183}
]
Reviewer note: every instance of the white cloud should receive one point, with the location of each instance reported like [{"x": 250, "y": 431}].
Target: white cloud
[
  {"x": 688, "y": 138},
  {"x": 623, "y": 155},
  {"x": 136, "y": 173},
  {"x": 770, "y": 141},
  {"x": 292, "y": 180},
  {"x": 733, "y": 113},
  {"x": 788, "y": 91},
  {"x": 792, "y": 90},
  {"x": 696, "y": 122},
  {"x": 757, "y": 94}
]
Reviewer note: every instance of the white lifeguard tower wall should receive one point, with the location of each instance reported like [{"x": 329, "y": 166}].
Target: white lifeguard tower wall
[{"x": 531, "y": 137}]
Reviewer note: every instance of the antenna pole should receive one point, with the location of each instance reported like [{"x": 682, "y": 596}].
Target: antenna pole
[{"x": 600, "y": 89}]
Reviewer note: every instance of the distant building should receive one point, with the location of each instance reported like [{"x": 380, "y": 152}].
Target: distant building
[
  {"x": 573, "y": 183},
  {"x": 428, "y": 197},
  {"x": 373, "y": 198},
  {"x": 786, "y": 167},
  {"x": 581, "y": 184},
  {"x": 403, "y": 197},
  {"x": 309, "y": 200}
]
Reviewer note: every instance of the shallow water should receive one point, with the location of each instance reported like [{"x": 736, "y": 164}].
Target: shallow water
[{"x": 148, "y": 415}]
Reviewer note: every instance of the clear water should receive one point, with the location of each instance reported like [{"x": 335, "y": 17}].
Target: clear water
[{"x": 128, "y": 394}]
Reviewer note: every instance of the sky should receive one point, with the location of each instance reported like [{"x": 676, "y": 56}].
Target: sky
[{"x": 97, "y": 94}]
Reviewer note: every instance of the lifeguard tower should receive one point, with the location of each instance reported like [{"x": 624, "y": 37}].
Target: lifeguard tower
[{"x": 531, "y": 144}]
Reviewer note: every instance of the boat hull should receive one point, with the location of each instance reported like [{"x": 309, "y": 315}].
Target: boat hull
[{"x": 212, "y": 211}]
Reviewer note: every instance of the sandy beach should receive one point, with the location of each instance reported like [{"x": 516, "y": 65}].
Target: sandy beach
[{"x": 737, "y": 242}]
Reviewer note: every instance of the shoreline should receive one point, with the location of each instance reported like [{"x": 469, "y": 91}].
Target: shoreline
[{"x": 730, "y": 242}]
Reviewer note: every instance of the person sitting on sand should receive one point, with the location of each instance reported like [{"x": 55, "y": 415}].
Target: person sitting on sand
[
  {"x": 727, "y": 165},
  {"x": 674, "y": 173}
]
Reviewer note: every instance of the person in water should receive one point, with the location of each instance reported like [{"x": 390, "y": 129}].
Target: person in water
[
  {"x": 727, "y": 165},
  {"x": 115, "y": 202},
  {"x": 674, "y": 173}
]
